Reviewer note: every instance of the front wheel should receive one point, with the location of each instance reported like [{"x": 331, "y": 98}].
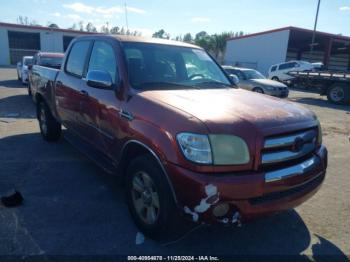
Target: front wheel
[
  {"x": 50, "y": 128},
  {"x": 149, "y": 197},
  {"x": 339, "y": 94},
  {"x": 258, "y": 90},
  {"x": 275, "y": 78}
]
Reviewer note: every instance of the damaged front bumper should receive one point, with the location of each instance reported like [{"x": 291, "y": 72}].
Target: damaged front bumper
[{"x": 247, "y": 194}]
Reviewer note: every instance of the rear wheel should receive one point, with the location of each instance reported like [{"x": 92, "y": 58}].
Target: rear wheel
[
  {"x": 339, "y": 94},
  {"x": 149, "y": 197},
  {"x": 275, "y": 78},
  {"x": 258, "y": 90},
  {"x": 50, "y": 128},
  {"x": 29, "y": 89}
]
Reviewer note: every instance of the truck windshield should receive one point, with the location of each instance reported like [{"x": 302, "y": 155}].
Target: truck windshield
[
  {"x": 156, "y": 66},
  {"x": 28, "y": 61},
  {"x": 253, "y": 74},
  {"x": 51, "y": 61}
]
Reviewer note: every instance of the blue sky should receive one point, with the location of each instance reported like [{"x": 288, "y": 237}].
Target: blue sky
[{"x": 182, "y": 16}]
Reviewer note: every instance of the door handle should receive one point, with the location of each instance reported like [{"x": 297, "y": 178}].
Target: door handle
[
  {"x": 84, "y": 92},
  {"x": 124, "y": 114}
]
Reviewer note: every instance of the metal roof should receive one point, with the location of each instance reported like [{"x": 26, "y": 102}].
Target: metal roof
[{"x": 292, "y": 28}]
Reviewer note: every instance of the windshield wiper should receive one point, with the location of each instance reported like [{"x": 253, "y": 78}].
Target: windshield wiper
[{"x": 164, "y": 84}]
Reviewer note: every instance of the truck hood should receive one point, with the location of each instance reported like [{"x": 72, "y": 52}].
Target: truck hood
[
  {"x": 268, "y": 82},
  {"x": 225, "y": 107}
]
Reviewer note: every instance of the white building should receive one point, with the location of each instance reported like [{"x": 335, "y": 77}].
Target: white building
[
  {"x": 17, "y": 41},
  {"x": 261, "y": 50}
]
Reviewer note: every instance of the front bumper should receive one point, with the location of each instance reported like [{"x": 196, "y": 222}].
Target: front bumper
[
  {"x": 251, "y": 194},
  {"x": 278, "y": 93}
]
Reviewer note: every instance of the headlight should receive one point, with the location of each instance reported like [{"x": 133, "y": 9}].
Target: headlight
[
  {"x": 221, "y": 150},
  {"x": 195, "y": 147},
  {"x": 319, "y": 136},
  {"x": 229, "y": 150}
]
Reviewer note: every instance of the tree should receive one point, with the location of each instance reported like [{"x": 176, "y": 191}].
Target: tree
[
  {"x": 73, "y": 27},
  {"x": 81, "y": 25},
  {"x": 24, "y": 20},
  {"x": 53, "y": 25},
  {"x": 188, "y": 38},
  {"x": 104, "y": 29},
  {"x": 90, "y": 28},
  {"x": 200, "y": 35},
  {"x": 161, "y": 34},
  {"x": 115, "y": 30}
]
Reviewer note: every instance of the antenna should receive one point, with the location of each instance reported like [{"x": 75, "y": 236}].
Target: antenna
[{"x": 126, "y": 16}]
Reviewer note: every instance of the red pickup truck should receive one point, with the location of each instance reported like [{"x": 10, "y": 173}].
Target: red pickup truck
[{"x": 166, "y": 117}]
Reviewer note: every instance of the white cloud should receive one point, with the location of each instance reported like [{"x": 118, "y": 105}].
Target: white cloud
[
  {"x": 344, "y": 8},
  {"x": 200, "y": 20},
  {"x": 135, "y": 10},
  {"x": 74, "y": 17},
  {"x": 88, "y": 9},
  {"x": 79, "y": 8},
  {"x": 56, "y": 14}
]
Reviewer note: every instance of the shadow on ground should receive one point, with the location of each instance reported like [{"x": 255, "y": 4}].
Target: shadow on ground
[
  {"x": 13, "y": 83},
  {"x": 18, "y": 106},
  {"x": 73, "y": 208},
  {"x": 321, "y": 103}
]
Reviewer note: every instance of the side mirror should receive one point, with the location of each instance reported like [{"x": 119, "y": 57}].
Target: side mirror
[
  {"x": 234, "y": 79},
  {"x": 99, "y": 79},
  {"x": 30, "y": 67}
]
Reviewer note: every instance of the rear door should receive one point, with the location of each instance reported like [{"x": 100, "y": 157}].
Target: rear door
[
  {"x": 284, "y": 69},
  {"x": 70, "y": 86}
]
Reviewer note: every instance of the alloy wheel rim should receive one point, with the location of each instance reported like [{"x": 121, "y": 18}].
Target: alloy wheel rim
[
  {"x": 145, "y": 198},
  {"x": 337, "y": 94}
]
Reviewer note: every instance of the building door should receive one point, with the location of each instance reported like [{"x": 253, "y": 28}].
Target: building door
[{"x": 22, "y": 44}]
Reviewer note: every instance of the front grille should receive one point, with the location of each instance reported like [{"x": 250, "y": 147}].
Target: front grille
[{"x": 288, "y": 148}]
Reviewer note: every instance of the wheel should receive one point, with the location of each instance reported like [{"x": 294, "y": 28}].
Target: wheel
[
  {"x": 149, "y": 197},
  {"x": 50, "y": 128},
  {"x": 275, "y": 78},
  {"x": 258, "y": 90},
  {"x": 338, "y": 94}
]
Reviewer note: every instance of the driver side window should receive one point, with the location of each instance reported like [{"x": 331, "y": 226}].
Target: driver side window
[{"x": 103, "y": 58}]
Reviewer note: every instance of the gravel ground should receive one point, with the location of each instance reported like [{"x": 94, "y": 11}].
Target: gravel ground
[{"x": 72, "y": 208}]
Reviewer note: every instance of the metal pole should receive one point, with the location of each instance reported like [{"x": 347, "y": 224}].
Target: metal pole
[
  {"x": 126, "y": 16},
  {"x": 315, "y": 26}
]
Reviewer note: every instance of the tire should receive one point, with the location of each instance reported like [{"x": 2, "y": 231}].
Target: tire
[
  {"x": 275, "y": 78},
  {"x": 149, "y": 197},
  {"x": 50, "y": 128},
  {"x": 258, "y": 90},
  {"x": 339, "y": 94},
  {"x": 29, "y": 90}
]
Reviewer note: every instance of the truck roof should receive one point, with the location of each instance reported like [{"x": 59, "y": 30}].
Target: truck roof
[{"x": 141, "y": 39}]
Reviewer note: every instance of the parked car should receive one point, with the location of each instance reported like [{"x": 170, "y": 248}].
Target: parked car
[
  {"x": 188, "y": 144},
  {"x": 22, "y": 69},
  {"x": 253, "y": 80},
  {"x": 42, "y": 59},
  {"x": 279, "y": 72}
]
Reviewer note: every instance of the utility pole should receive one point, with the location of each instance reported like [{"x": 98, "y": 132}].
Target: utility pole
[
  {"x": 315, "y": 27},
  {"x": 126, "y": 16}
]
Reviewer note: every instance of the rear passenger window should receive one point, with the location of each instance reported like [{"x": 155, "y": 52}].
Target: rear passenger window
[
  {"x": 286, "y": 66},
  {"x": 76, "y": 59},
  {"x": 103, "y": 58},
  {"x": 273, "y": 69}
]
